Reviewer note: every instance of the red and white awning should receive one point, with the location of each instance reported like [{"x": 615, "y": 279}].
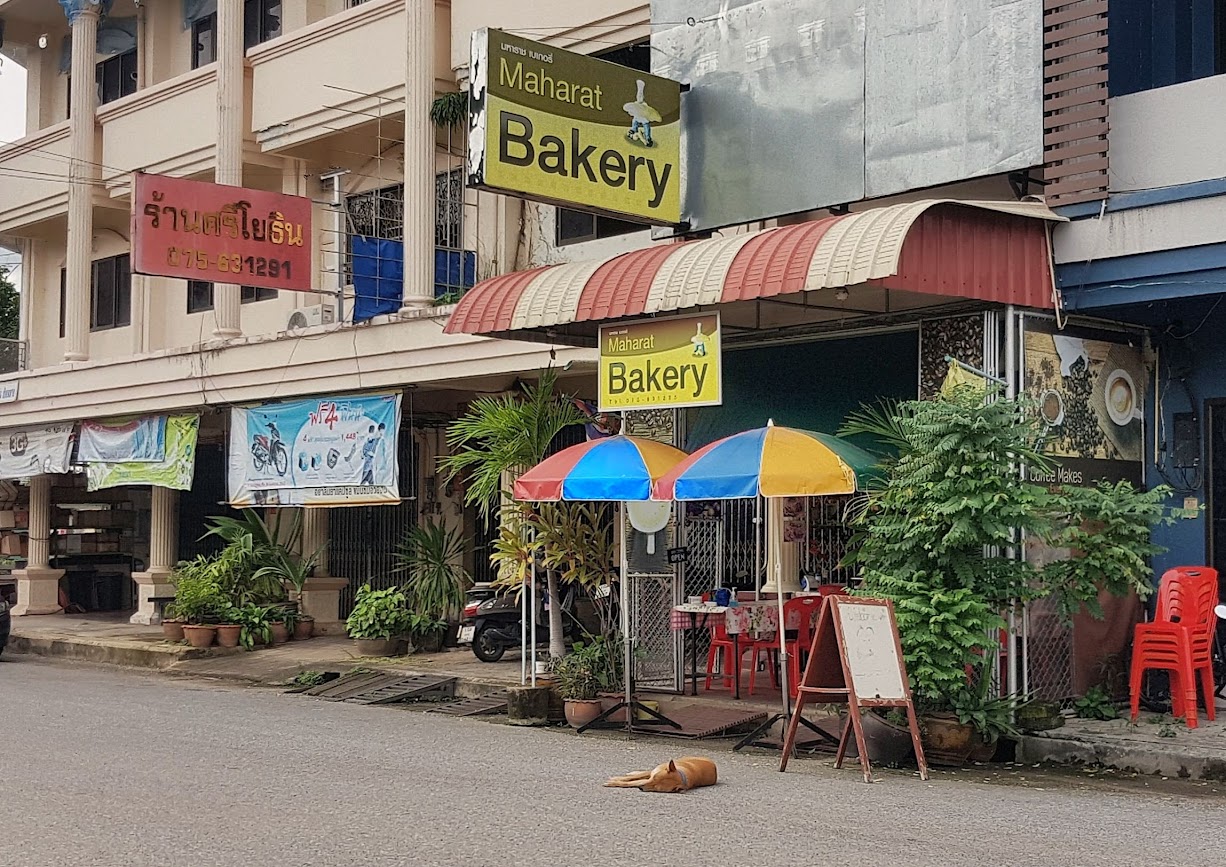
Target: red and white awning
[{"x": 985, "y": 251}]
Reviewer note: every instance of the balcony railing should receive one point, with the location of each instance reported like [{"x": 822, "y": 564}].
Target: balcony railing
[{"x": 12, "y": 355}]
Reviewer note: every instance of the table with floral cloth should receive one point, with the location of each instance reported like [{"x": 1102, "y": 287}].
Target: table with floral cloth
[{"x": 760, "y": 619}]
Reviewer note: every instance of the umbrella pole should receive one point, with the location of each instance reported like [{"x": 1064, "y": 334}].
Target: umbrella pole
[
  {"x": 532, "y": 615},
  {"x": 774, "y": 523}
]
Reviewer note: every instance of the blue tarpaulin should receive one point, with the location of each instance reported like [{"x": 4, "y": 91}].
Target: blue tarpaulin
[{"x": 378, "y": 277}]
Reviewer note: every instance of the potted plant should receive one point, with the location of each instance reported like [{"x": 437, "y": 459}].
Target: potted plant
[
  {"x": 256, "y": 625},
  {"x": 285, "y": 619},
  {"x": 199, "y": 601},
  {"x": 426, "y": 632},
  {"x": 431, "y": 556},
  {"x": 378, "y": 621},
  {"x": 577, "y": 683},
  {"x": 172, "y": 624},
  {"x": 935, "y": 537},
  {"x": 230, "y": 629}
]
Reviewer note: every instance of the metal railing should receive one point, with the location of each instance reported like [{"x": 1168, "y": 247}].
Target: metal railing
[{"x": 13, "y": 355}]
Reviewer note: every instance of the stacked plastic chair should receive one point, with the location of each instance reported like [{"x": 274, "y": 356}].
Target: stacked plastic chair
[{"x": 1179, "y": 640}]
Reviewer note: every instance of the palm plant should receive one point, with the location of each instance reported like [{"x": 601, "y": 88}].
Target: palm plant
[
  {"x": 431, "y": 556},
  {"x": 502, "y": 435}
]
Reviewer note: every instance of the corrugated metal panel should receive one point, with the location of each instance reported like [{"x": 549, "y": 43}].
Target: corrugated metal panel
[
  {"x": 1075, "y": 107},
  {"x": 991, "y": 251}
]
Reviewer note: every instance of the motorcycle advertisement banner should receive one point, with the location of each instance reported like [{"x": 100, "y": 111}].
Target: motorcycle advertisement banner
[
  {"x": 122, "y": 440},
  {"x": 325, "y": 451},
  {"x": 174, "y": 470},
  {"x": 33, "y": 451}
]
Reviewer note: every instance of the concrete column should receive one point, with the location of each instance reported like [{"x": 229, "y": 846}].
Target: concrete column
[
  {"x": 227, "y": 307},
  {"x": 83, "y": 18},
  {"x": 163, "y": 553},
  {"x": 418, "y": 157},
  {"x": 321, "y": 595},
  {"x": 315, "y": 538},
  {"x": 38, "y": 585}
]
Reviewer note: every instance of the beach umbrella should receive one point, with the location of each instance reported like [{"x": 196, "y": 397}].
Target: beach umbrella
[
  {"x": 772, "y": 462},
  {"x": 619, "y": 469}
]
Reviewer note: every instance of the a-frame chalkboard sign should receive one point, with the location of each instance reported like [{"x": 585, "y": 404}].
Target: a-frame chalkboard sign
[{"x": 856, "y": 660}]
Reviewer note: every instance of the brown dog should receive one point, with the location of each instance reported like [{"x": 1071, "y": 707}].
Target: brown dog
[{"x": 678, "y": 775}]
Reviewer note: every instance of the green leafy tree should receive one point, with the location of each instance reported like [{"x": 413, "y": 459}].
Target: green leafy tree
[
  {"x": 10, "y": 307},
  {"x": 937, "y": 533}
]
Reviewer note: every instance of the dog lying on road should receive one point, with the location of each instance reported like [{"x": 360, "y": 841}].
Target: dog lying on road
[{"x": 677, "y": 775}]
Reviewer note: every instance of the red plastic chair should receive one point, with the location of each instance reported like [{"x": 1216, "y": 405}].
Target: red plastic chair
[
  {"x": 722, "y": 646},
  {"x": 1179, "y": 640},
  {"x": 804, "y": 610}
]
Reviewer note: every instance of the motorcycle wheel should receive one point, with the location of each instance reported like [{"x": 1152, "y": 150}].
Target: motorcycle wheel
[
  {"x": 487, "y": 648},
  {"x": 281, "y": 458}
]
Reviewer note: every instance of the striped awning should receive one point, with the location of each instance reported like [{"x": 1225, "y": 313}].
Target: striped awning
[{"x": 928, "y": 252}]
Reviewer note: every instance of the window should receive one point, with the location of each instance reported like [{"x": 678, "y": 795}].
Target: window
[
  {"x": 200, "y": 295},
  {"x": 110, "y": 293},
  {"x": 1157, "y": 43},
  {"x": 116, "y": 77},
  {"x": 574, "y": 227},
  {"x": 63, "y": 298},
  {"x": 261, "y": 22}
]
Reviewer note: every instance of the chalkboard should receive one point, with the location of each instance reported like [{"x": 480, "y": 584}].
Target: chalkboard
[{"x": 871, "y": 646}]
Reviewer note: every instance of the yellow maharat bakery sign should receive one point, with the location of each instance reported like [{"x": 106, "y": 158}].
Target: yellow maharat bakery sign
[
  {"x": 656, "y": 363},
  {"x": 566, "y": 128}
]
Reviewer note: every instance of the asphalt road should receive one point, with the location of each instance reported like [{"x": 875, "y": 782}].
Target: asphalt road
[{"x": 105, "y": 768}]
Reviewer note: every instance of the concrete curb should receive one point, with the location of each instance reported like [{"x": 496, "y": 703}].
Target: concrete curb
[
  {"x": 104, "y": 652},
  {"x": 1169, "y": 761}
]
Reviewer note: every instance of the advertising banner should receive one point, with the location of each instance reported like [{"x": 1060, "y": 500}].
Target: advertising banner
[
  {"x": 34, "y": 451},
  {"x": 117, "y": 441},
  {"x": 326, "y": 451},
  {"x": 566, "y": 128},
  {"x": 174, "y": 469},
  {"x": 1089, "y": 388},
  {"x": 659, "y": 363},
  {"x": 201, "y": 231}
]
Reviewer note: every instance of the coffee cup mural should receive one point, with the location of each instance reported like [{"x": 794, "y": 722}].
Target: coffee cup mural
[{"x": 1120, "y": 395}]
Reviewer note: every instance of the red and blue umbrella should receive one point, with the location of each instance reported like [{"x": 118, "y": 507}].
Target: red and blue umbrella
[{"x": 612, "y": 469}]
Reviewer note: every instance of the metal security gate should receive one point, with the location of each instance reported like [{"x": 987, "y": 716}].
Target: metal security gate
[{"x": 362, "y": 540}]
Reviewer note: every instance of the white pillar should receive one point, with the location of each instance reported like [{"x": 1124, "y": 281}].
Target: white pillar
[
  {"x": 321, "y": 595},
  {"x": 227, "y": 307},
  {"x": 82, "y": 173},
  {"x": 38, "y": 586},
  {"x": 419, "y": 157},
  {"x": 163, "y": 553}
]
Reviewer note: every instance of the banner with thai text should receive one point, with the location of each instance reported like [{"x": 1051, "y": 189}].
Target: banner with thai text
[
  {"x": 118, "y": 440},
  {"x": 326, "y": 451}
]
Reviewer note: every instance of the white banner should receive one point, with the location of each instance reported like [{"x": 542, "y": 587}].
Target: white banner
[
  {"x": 140, "y": 440},
  {"x": 28, "y": 452}
]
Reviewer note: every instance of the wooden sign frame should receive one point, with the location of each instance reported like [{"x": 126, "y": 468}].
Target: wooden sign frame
[{"x": 829, "y": 678}]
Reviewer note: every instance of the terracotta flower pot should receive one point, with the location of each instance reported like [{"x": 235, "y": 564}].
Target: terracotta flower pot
[
  {"x": 580, "y": 712},
  {"x": 200, "y": 636},
  {"x": 172, "y": 630},
  {"x": 280, "y": 634},
  {"x": 228, "y": 634},
  {"x": 304, "y": 629},
  {"x": 378, "y": 646},
  {"x": 946, "y": 741}
]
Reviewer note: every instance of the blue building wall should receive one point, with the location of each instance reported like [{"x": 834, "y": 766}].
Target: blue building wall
[
  {"x": 1180, "y": 298},
  {"x": 1155, "y": 43}
]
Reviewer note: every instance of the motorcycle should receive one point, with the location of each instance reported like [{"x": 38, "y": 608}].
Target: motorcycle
[
  {"x": 492, "y": 625},
  {"x": 270, "y": 450}
]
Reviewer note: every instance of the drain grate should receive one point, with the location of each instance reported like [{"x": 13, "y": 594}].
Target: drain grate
[
  {"x": 485, "y": 704},
  {"x": 417, "y": 687},
  {"x": 350, "y": 684}
]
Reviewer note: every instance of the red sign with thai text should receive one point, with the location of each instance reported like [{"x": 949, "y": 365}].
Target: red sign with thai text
[{"x": 202, "y": 231}]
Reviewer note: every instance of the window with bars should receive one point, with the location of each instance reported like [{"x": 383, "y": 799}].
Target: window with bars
[{"x": 200, "y": 295}]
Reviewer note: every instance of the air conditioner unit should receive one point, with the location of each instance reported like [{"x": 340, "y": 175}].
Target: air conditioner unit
[{"x": 305, "y": 317}]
